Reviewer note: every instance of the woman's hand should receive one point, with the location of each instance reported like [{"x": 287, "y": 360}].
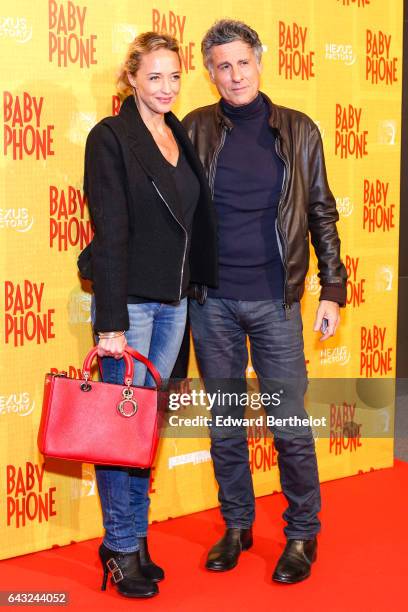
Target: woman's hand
[{"x": 112, "y": 347}]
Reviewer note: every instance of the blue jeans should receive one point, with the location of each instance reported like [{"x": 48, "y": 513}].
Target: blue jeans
[
  {"x": 156, "y": 330},
  {"x": 220, "y": 329}
]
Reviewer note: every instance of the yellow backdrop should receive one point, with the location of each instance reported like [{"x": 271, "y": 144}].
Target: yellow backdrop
[{"x": 339, "y": 61}]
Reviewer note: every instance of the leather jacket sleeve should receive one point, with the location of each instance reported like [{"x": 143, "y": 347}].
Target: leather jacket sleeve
[
  {"x": 322, "y": 219},
  {"x": 105, "y": 185}
]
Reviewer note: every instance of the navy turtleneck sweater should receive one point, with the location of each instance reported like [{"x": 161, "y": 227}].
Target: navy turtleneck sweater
[{"x": 247, "y": 188}]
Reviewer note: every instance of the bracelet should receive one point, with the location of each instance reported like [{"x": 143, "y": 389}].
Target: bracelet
[{"x": 114, "y": 334}]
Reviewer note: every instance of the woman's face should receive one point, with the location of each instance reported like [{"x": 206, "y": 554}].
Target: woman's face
[{"x": 157, "y": 81}]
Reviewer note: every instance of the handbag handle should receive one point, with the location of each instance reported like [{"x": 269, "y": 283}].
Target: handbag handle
[
  {"x": 152, "y": 369},
  {"x": 86, "y": 369},
  {"x": 129, "y": 371}
]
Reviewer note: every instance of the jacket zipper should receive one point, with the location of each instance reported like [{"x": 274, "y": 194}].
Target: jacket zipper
[
  {"x": 214, "y": 161},
  {"x": 185, "y": 236},
  {"x": 283, "y": 194}
]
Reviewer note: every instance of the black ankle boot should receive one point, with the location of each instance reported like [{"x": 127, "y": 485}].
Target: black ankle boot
[
  {"x": 148, "y": 568},
  {"x": 225, "y": 554},
  {"x": 296, "y": 561},
  {"x": 126, "y": 573}
]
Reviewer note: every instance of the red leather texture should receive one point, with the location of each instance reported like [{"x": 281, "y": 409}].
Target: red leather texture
[
  {"x": 81, "y": 420},
  {"x": 152, "y": 369}
]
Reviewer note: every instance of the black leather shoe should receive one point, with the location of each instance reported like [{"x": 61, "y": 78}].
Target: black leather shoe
[
  {"x": 126, "y": 573},
  {"x": 225, "y": 554},
  {"x": 149, "y": 569},
  {"x": 296, "y": 561}
]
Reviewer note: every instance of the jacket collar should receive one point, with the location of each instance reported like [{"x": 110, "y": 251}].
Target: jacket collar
[
  {"x": 274, "y": 117},
  {"x": 143, "y": 146},
  {"x": 141, "y": 140}
]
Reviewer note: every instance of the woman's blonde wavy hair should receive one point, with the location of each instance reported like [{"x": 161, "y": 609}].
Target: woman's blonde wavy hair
[{"x": 140, "y": 46}]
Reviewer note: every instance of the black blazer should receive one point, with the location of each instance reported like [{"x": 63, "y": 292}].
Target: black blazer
[{"x": 140, "y": 241}]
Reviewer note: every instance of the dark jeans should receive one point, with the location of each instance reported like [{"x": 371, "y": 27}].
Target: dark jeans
[{"x": 220, "y": 329}]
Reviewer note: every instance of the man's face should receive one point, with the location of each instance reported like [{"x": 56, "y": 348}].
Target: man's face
[{"x": 235, "y": 72}]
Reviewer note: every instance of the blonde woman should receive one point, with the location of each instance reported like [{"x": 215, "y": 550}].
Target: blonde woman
[{"x": 154, "y": 237}]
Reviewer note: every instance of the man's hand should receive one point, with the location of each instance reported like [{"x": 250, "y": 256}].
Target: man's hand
[{"x": 330, "y": 311}]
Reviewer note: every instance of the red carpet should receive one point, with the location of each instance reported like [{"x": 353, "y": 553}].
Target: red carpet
[{"x": 362, "y": 560}]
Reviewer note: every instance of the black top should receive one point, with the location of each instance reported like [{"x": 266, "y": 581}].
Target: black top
[
  {"x": 247, "y": 189},
  {"x": 188, "y": 189}
]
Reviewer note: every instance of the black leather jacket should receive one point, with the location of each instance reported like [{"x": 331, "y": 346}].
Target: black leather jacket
[{"x": 306, "y": 204}]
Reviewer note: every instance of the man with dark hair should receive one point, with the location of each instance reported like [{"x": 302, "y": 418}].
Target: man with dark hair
[{"x": 266, "y": 170}]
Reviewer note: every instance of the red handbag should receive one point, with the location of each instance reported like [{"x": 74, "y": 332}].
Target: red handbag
[{"x": 97, "y": 422}]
